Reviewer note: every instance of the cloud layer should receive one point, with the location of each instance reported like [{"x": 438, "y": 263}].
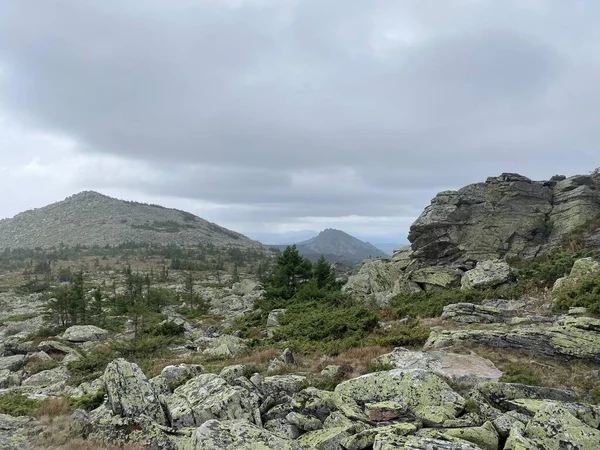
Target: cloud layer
[{"x": 269, "y": 115}]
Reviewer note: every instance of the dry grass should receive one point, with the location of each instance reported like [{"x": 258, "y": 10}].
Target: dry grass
[{"x": 61, "y": 432}]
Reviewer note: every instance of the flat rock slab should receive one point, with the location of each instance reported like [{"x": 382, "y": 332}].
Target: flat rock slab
[
  {"x": 467, "y": 369},
  {"x": 84, "y": 333}
]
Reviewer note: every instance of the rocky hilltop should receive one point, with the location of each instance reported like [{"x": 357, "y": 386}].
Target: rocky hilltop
[
  {"x": 90, "y": 219},
  {"x": 505, "y": 216}
]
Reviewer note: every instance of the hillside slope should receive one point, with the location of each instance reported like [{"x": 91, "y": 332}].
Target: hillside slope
[{"x": 90, "y": 218}]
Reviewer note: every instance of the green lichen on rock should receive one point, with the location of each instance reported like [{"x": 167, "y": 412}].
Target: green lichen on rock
[
  {"x": 553, "y": 428},
  {"x": 130, "y": 393},
  {"x": 484, "y": 436},
  {"x": 238, "y": 435},
  {"x": 325, "y": 439},
  {"x": 427, "y": 396},
  {"x": 207, "y": 397}
]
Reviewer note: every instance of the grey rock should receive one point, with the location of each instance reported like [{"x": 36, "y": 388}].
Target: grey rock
[
  {"x": 130, "y": 393},
  {"x": 273, "y": 321},
  {"x": 463, "y": 369},
  {"x": 12, "y": 363},
  {"x": 470, "y": 313},
  {"x": 486, "y": 274},
  {"x": 84, "y": 333}
]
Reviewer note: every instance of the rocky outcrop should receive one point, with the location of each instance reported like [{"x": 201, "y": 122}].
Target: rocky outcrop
[
  {"x": 571, "y": 337},
  {"x": 486, "y": 274},
  {"x": 506, "y": 216}
]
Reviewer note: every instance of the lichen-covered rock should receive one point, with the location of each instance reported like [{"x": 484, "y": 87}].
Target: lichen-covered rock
[
  {"x": 502, "y": 217},
  {"x": 288, "y": 384},
  {"x": 385, "y": 411},
  {"x": 571, "y": 337},
  {"x": 283, "y": 428},
  {"x": 45, "y": 378},
  {"x": 464, "y": 313},
  {"x": 230, "y": 373},
  {"x": 130, "y": 393},
  {"x": 589, "y": 414},
  {"x": 380, "y": 280},
  {"x": 463, "y": 369},
  {"x": 486, "y": 274},
  {"x": 325, "y": 439},
  {"x": 314, "y": 402},
  {"x": 207, "y": 397},
  {"x": 12, "y": 363},
  {"x": 391, "y": 442},
  {"x": 437, "y": 276},
  {"x": 9, "y": 379},
  {"x": 583, "y": 269},
  {"x": 428, "y": 397},
  {"x": 104, "y": 427},
  {"x": 14, "y": 432},
  {"x": 499, "y": 394},
  {"x": 175, "y": 375},
  {"x": 226, "y": 346},
  {"x": 485, "y": 436},
  {"x": 238, "y": 435},
  {"x": 553, "y": 428},
  {"x": 365, "y": 439},
  {"x": 304, "y": 422},
  {"x": 84, "y": 333}
]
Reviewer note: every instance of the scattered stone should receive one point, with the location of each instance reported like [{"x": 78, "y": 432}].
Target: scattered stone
[
  {"x": 12, "y": 363},
  {"x": 437, "y": 276}
]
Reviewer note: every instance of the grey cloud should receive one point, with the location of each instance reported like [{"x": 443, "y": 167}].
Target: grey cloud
[{"x": 230, "y": 101}]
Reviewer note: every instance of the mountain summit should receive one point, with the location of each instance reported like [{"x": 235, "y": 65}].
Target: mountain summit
[
  {"x": 90, "y": 218},
  {"x": 337, "y": 245}
]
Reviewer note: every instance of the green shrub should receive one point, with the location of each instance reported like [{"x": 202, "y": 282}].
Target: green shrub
[
  {"x": 516, "y": 373},
  {"x": 317, "y": 326},
  {"x": 89, "y": 402},
  {"x": 431, "y": 303},
  {"x": 411, "y": 334},
  {"x": 586, "y": 294},
  {"x": 15, "y": 405},
  {"x": 91, "y": 365},
  {"x": 167, "y": 329},
  {"x": 542, "y": 272}
]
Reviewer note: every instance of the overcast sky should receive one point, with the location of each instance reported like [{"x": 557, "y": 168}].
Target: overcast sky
[{"x": 272, "y": 116}]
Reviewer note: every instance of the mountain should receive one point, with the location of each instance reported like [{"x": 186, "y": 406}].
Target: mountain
[
  {"x": 90, "y": 218},
  {"x": 337, "y": 246}
]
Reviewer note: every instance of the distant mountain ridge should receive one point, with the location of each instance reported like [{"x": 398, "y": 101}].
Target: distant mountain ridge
[
  {"x": 337, "y": 246},
  {"x": 90, "y": 218}
]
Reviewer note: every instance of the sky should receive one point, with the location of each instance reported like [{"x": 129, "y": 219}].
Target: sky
[{"x": 274, "y": 117}]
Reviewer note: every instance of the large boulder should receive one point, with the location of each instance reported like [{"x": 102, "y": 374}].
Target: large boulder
[
  {"x": 238, "y": 435},
  {"x": 462, "y": 369},
  {"x": 12, "y": 363},
  {"x": 15, "y": 432},
  {"x": 486, "y": 274},
  {"x": 130, "y": 394},
  {"x": 84, "y": 333},
  {"x": 207, "y": 397},
  {"x": 426, "y": 395},
  {"x": 583, "y": 269}
]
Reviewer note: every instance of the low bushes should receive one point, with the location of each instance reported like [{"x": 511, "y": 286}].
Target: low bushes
[{"x": 431, "y": 303}]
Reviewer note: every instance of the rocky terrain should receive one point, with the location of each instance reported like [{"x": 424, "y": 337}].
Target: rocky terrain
[
  {"x": 337, "y": 247},
  {"x": 91, "y": 219},
  {"x": 455, "y": 343}
]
